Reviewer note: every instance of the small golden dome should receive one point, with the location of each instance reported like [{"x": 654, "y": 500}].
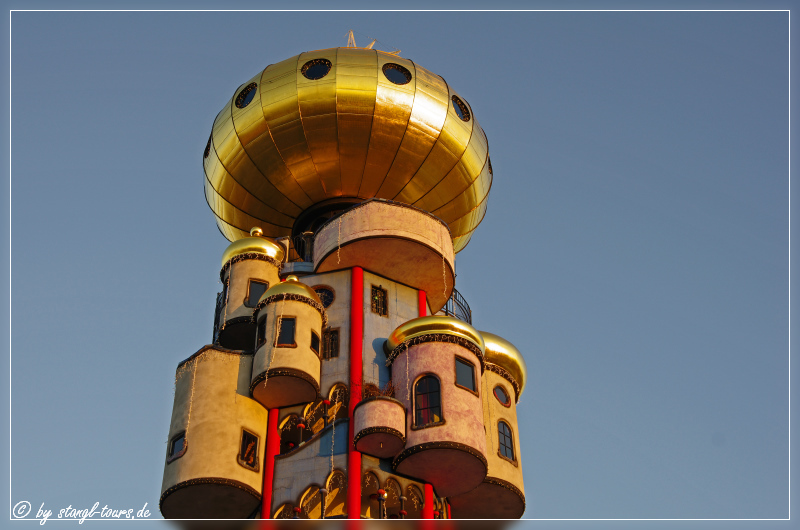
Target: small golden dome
[
  {"x": 255, "y": 243},
  {"x": 502, "y": 353},
  {"x": 433, "y": 324},
  {"x": 292, "y": 286}
]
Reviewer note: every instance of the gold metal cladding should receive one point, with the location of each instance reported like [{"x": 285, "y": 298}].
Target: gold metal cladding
[
  {"x": 258, "y": 245},
  {"x": 356, "y": 89},
  {"x": 427, "y": 118},
  {"x": 292, "y": 286},
  {"x": 504, "y": 354},
  {"x": 392, "y": 111},
  {"x": 449, "y": 148},
  {"x": 351, "y": 133},
  {"x": 434, "y": 324}
]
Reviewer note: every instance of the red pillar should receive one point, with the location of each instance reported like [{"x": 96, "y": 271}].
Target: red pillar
[
  {"x": 427, "y": 508},
  {"x": 422, "y": 304},
  {"x": 448, "y": 511},
  {"x": 356, "y": 342},
  {"x": 271, "y": 451}
]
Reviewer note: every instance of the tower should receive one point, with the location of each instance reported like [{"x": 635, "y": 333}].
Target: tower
[{"x": 345, "y": 378}]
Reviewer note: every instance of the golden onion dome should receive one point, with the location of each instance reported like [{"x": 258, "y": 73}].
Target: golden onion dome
[
  {"x": 256, "y": 244},
  {"x": 433, "y": 324},
  {"x": 315, "y": 133},
  {"x": 502, "y": 353},
  {"x": 291, "y": 286}
]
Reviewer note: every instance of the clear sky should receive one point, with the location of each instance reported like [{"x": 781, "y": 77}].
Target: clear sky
[{"x": 635, "y": 249}]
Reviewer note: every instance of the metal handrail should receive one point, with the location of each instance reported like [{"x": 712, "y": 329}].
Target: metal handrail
[{"x": 458, "y": 307}]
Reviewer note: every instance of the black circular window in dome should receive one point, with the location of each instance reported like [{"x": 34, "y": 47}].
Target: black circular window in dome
[
  {"x": 245, "y": 96},
  {"x": 316, "y": 69},
  {"x": 399, "y": 75},
  {"x": 207, "y": 150},
  {"x": 325, "y": 295},
  {"x": 501, "y": 395},
  {"x": 461, "y": 108}
]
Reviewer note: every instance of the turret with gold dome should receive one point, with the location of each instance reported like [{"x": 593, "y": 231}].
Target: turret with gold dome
[{"x": 345, "y": 377}]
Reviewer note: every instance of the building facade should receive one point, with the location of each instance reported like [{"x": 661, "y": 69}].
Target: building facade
[{"x": 345, "y": 378}]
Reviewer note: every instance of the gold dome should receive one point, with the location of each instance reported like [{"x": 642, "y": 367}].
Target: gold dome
[
  {"x": 433, "y": 324},
  {"x": 292, "y": 286},
  {"x": 256, "y": 244},
  {"x": 329, "y": 126},
  {"x": 502, "y": 353}
]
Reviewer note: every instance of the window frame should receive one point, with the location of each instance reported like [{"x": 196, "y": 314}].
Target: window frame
[
  {"x": 239, "y": 458},
  {"x": 278, "y": 343},
  {"x": 249, "y": 286},
  {"x": 455, "y": 374},
  {"x": 327, "y": 288},
  {"x": 507, "y": 404},
  {"x": 319, "y": 343},
  {"x": 324, "y": 349},
  {"x": 261, "y": 332},
  {"x": 373, "y": 304},
  {"x": 500, "y": 444},
  {"x": 171, "y": 457},
  {"x": 414, "y": 425}
]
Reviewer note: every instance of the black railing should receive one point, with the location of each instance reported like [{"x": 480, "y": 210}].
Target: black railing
[{"x": 458, "y": 307}]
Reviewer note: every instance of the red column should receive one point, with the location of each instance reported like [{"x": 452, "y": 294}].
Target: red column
[
  {"x": 271, "y": 451},
  {"x": 448, "y": 511},
  {"x": 423, "y": 304},
  {"x": 356, "y": 342},
  {"x": 427, "y": 508}
]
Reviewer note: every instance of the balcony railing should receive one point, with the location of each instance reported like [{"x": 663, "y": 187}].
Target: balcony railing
[{"x": 458, "y": 307}]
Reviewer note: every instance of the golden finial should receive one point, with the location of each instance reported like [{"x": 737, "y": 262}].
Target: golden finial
[{"x": 256, "y": 231}]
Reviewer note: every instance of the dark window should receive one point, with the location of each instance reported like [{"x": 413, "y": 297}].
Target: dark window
[
  {"x": 207, "y": 149},
  {"x": 248, "y": 452},
  {"x": 506, "y": 442},
  {"x": 501, "y": 395},
  {"x": 325, "y": 295},
  {"x": 286, "y": 335},
  {"x": 261, "y": 333},
  {"x": 177, "y": 445},
  {"x": 465, "y": 374},
  {"x": 315, "y": 343},
  {"x": 330, "y": 344},
  {"x": 397, "y": 74},
  {"x": 245, "y": 96},
  {"x": 255, "y": 289},
  {"x": 379, "y": 304},
  {"x": 316, "y": 69},
  {"x": 427, "y": 402},
  {"x": 461, "y": 108}
]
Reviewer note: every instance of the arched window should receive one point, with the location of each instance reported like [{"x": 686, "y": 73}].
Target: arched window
[
  {"x": 427, "y": 402},
  {"x": 506, "y": 440},
  {"x": 337, "y": 493}
]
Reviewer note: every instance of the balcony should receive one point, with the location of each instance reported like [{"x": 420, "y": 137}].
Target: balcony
[{"x": 458, "y": 307}]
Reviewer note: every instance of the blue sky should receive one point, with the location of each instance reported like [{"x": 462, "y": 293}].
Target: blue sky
[{"x": 635, "y": 249}]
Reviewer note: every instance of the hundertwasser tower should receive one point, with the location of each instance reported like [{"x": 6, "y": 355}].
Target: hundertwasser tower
[{"x": 345, "y": 377}]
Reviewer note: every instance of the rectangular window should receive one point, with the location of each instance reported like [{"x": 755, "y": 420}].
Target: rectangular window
[
  {"x": 286, "y": 335},
  {"x": 465, "y": 374},
  {"x": 315, "y": 343},
  {"x": 248, "y": 452},
  {"x": 261, "y": 333},
  {"x": 255, "y": 288},
  {"x": 177, "y": 446},
  {"x": 379, "y": 304},
  {"x": 330, "y": 343}
]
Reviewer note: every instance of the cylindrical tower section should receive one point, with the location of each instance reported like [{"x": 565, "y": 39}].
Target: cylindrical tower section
[
  {"x": 214, "y": 465},
  {"x": 250, "y": 266},
  {"x": 380, "y": 426},
  {"x": 501, "y": 495},
  {"x": 437, "y": 363},
  {"x": 286, "y": 368}
]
